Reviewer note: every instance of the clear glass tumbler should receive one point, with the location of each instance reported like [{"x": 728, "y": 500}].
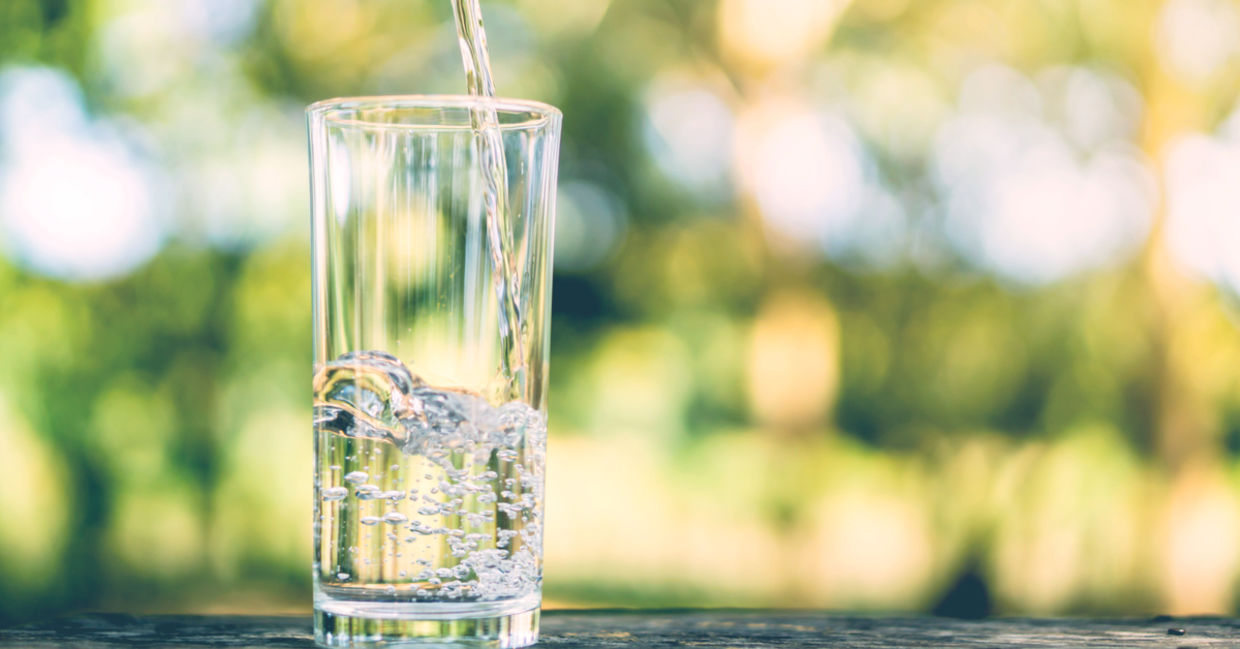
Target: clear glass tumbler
[{"x": 430, "y": 368}]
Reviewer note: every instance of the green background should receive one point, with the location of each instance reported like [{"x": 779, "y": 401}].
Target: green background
[{"x": 890, "y": 304}]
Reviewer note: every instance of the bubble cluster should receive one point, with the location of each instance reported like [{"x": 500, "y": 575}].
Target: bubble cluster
[{"x": 443, "y": 495}]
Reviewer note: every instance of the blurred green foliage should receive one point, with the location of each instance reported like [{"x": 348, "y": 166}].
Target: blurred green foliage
[{"x": 805, "y": 424}]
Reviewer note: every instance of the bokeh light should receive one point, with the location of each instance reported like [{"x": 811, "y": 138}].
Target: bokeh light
[
  {"x": 1197, "y": 39},
  {"x": 1203, "y": 225},
  {"x": 689, "y": 132},
  {"x": 589, "y": 226},
  {"x": 76, "y": 200},
  {"x": 762, "y": 34},
  {"x": 1021, "y": 199}
]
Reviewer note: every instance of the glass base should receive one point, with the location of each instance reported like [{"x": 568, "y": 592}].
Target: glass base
[{"x": 344, "y": 623}]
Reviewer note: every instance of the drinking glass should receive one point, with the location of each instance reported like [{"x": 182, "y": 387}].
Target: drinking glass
[{"x": 429, "y": 391}]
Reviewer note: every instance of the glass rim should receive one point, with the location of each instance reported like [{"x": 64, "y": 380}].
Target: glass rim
[{"x": 542, "y": 114}]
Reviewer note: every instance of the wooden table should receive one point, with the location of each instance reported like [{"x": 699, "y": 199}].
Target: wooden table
[{"x": 656, "y": 629}]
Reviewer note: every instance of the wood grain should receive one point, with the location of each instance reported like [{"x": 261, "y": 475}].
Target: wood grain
[{"x": 724, "y": 629}]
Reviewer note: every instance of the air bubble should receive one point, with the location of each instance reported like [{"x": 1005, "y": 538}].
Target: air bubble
[
  {"x": 335, "y": 493},
  {"x": 356, "y": 477},
  {"x": 369, "y": 520},
  {"x": 419, "y": 528},
  {"x": 395, "y": 518}
]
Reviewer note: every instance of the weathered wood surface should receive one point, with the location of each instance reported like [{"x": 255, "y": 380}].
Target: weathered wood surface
[{"x": 658, "y": 629}]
